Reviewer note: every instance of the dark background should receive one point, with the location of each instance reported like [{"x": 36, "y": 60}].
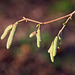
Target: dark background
[{"x": 23, "y": 57}]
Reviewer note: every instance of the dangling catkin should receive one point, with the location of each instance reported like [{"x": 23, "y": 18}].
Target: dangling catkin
[
  {"x": 38, "y": 37},
  {"x": 10, "y": 38},
  {"x": 6, "y": 31},
  {"x": 51, "y": 51},
  {"x": 51, "y": 56},
  {"x": 51, "y": 48},
  {"x": 55, "y": 46}
]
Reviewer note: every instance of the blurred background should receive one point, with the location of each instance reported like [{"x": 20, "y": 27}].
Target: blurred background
[{"x": 24, "y": 58}]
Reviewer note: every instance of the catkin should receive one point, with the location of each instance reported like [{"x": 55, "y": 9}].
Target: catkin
[
  {"x": 38, "y": 43},
  {"x": 51, "y": 47},
  {"x": 60, "y": 40},
  {"x": 10, "y": 38},
  {"x": 38, "y": 37},
  {"x": 38, "y": 33},
  {"x": 51, "y": 56},
  {"x": 51, "y": 51},
  {"x": 32, "y": 34},
  {"x": 55, "y": 45},
  {"x": 6, "y": 32}
]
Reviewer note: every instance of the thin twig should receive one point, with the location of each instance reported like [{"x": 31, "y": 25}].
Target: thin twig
[
  {"x": 27, "y": 19},
  {"x": 64, "y": 25},
  {"x": 60, "y": 18},
  {"x": 56, "y": 19},
  {"x": 61, "y": 30}
]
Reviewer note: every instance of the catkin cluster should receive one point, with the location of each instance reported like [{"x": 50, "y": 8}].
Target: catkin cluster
[
  {"x": 37, "y": 33},
  {"x": 56, "y": 43},
  {"x": 53, "y": 48},
  {"x": 11, "y": 35}
]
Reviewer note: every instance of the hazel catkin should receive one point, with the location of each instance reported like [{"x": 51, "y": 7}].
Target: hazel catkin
[
  {"x": 6, "y": 32},
  {"x": 10, "y": 38}
]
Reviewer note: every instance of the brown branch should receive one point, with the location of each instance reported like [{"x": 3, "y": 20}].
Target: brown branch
[
  {"x": 61, "y": 30},
  {"x": 56, "y": 19},
  {"x": 27, "y": 19},
  {"x": 60, "y": 18},
  {"x": 64, "y": 25}
]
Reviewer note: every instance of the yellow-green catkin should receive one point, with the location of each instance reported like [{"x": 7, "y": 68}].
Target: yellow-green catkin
[
  {"x": 38, "y": 37},
  {"x": 59, "y": 45},
  {"x": 51, "y": 48},
  {"x": 32, "y": 34},
  {"x": 10, "y": 38},
  {"x": 51, "y": 51},
  {"x": 6, "y": 32},
  {"x": 51, "y": 54},
  {"x": 38, "y": 43},
  {"x": 55, "y": 45}
]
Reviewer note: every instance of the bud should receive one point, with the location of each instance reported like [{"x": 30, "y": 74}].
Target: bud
[
  {"x": 32, "y": 34},
  {"x": 70, "y": 18},
  {"x": 38, "y": 25},
  {"x": 64, "y": 24},
  {"x": 6, "y": 32}
]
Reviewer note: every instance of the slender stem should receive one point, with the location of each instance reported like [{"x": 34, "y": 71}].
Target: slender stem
[
  {"x": 56, "y": 19},
  {"x": 60, "y": 18},
  {"x": 64, "y": 25},
  {"x": 43, "y": 23},
  {"x": 27, "y": 19},
  {"x": 61, "y": 30}
]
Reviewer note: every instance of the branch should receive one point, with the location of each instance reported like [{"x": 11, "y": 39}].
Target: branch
[
  {"x": 43, "y": 23},
  {"x": 60, "y": 18},
  {"x": 64, "y": 24}
]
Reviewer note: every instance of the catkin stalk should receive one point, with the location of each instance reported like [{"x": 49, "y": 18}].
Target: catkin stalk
[
  {"x": 6, "y": 31},
  {"x": 10, "y": 38}
]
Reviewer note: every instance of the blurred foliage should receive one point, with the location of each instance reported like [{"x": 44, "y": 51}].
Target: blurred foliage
[
  {"x": 62, "y": 6},
  {"x": 46, "y": 39}
]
